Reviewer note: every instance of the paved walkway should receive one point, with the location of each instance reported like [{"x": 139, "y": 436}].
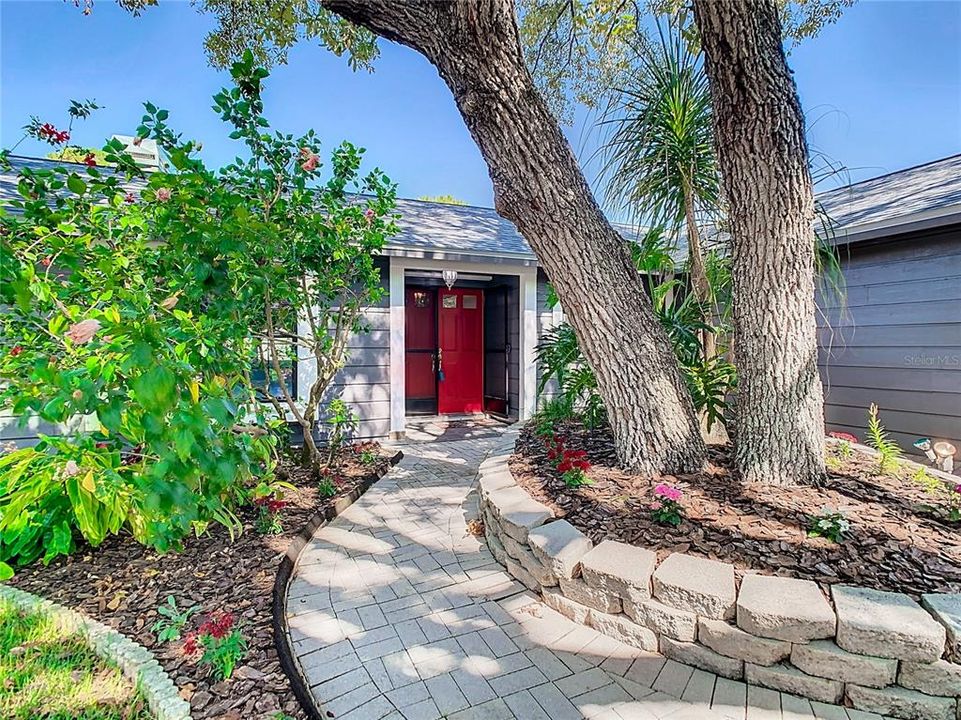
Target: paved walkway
[{"x": 396, "y": 612}]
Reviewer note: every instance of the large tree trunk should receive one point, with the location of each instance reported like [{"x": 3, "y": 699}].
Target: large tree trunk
[
  {"x": 540, "y": 188},
  {"x": 759, "y": 129}
]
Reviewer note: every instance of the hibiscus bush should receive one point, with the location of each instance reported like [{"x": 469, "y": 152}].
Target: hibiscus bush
[{"x": 135, "y": 304}]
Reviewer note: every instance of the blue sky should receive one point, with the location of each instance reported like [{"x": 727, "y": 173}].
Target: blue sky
[{"x": 884, "y": 85}]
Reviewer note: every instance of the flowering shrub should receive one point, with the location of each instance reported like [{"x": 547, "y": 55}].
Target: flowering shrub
[
  {"x": 846, "y": 437},
  {"x": 830, "y": 523},
  {"x": 666, "y": 506},
  {"x": 571, "y": 464},
  {"x": 268, "y": 515},
  {"x": 134, "y": 304},
  {"x": 218, "y": 644}
]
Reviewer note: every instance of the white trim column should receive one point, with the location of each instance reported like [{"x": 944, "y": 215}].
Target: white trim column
[
  {"x": 398, "y": 389},
  {"x": 528, "y": 327}
]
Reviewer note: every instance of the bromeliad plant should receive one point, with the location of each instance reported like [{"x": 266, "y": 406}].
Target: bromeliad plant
[
  {"x": 666, "y": 506},
  {"x": 218, "y": 643}
]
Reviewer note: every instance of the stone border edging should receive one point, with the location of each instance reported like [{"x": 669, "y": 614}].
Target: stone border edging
[
  {"x": 774, "y": 632},
  {"x": 285, "y": 573},
  {"x": 134, "y": 660}
]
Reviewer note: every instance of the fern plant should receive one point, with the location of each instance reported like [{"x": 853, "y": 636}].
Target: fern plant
[{"x": 888, "y": 450}]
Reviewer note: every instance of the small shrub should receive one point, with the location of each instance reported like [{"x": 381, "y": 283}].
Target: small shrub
[
  {"x": 954, "y": 504},
  {"x": 888, "y": 451},
  {"x": 931, "y": 484},
  {"x": 327, "y": 485},
  {"x": 829, "y": 523},
  {"x": 268, "y": 515},
  {"x": 666, "y": 507},
  {"x": 219, "y": 644},
  {"x": 172, "y": 620}
]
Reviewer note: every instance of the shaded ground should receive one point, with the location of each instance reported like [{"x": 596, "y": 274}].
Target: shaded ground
[
  {"x": 47, "y": 673},
  {"x": 121, "y": 584},
  {"x": 898, "y": 540}
]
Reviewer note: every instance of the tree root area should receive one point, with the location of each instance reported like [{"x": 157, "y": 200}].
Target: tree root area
[{"x": 901, "y": 536}]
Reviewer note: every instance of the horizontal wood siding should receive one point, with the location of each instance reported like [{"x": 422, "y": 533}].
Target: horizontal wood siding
[
  {"x": 895, "y": 339},
  {"x": 364, "y": 381}
]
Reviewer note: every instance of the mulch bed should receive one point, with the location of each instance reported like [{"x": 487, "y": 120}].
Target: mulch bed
[
  {"x": 898, "y": 540},
  {"x": 121, "y": 583}
]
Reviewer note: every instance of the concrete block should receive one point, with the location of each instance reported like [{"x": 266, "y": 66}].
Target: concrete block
[
  {"x": 621, "y": 569},
  {"x": 622, "y": 628},
  {"x": 937, "y": 678},
  {"x": 701, "y": 657},
  {"x": 663, "y": 619},
  {"x": 791, "y": 680},
  {"x": 946, "y": 609},
  {"x": 698, "y": 585},
  {"x": 902, "y": 703},
  {"x": 886, "y": 624},
  {"x": 560, "y": 547},
  {"x": 580, "y": 592},
  {"x": 729, "y": 640},
  {"x": 825, "y": 659},
  {"x": 784, "y": 609}
]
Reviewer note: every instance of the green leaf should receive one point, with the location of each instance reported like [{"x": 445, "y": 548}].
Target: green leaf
[
  {"x": 76, "y": 185},
  {"x": 6, "y": 572}
]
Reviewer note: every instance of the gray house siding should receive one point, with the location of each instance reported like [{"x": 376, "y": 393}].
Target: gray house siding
[
  {"x": 895, "y": 340},
  {"x": 364, "y": 381}
]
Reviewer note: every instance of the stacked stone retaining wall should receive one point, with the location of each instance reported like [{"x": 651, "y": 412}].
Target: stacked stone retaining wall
[{"x": 877, "y": 651}]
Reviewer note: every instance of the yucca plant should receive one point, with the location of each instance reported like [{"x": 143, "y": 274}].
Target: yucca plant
[{"x": 888, "y": 450}]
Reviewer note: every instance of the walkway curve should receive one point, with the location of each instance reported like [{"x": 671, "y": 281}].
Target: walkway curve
[{"x": 396, "y": 612}]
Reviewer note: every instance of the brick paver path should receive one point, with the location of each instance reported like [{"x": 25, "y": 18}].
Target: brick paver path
[{"x": 397, "y": 612}]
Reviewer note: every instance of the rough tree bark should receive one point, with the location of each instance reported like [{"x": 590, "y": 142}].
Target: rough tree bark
[
  {"x": 539, "y": 187},
  {"x": 759, "y": 130}
]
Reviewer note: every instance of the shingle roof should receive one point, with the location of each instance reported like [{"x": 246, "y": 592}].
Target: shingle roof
[
  {"x": 930, "y": 188},
  {"x": 432, "y": 226}
]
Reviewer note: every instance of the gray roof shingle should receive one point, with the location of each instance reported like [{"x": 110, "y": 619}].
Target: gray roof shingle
[{"x": 929, "y": 188}]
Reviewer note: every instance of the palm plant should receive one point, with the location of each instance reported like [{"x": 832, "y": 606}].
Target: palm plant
[{"x": 658, "y": 155}]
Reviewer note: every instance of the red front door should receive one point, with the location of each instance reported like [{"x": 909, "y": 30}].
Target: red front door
[{"x": 460, "y": 340}]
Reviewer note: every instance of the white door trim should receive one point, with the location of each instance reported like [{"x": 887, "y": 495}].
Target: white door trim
[{"x": 527, "y": 287}]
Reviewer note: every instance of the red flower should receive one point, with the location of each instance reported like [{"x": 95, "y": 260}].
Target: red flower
[
  {"x": 45, "y": 261},
  {"x": 582, "y": 465},
  {"x": 564, "y": 466},
  {"x": 130, "y": 198},
  {"x": 16, "y": 350},
  {"x": 275, "y": 506},
  {"x": 90, "y": 160},
  {"x": 848, "y": 437},
  {"x": 191, "y": 647}
]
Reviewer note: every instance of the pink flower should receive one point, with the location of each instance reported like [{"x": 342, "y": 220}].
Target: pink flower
[
  {"x": 847, "y": 437},
  {"x": 83, "y": 331},
  {"x": 369, "y": 214},
  {"x": 668, "y": 492},
  {"x": 163, "y": 194},
  {"x": 656, "y": 505},
  {"x": 311, "y": 163},
  {"x": 71, "y": 468}
]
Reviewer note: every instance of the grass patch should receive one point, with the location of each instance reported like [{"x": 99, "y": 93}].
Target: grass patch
[{"x": 49, "y": 675}]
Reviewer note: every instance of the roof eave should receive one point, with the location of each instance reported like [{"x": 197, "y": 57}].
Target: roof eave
[
  {"x": 480, "y": 256},
  {"x": 927, "y": 220}
]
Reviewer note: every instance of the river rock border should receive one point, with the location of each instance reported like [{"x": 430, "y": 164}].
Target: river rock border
[
  {"x": 134, "y": 660},
  {"x": 876, "y": 651}
]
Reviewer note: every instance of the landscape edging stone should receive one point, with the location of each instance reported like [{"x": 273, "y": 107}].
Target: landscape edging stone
[
  {"x": 785, "y": 675},
  {"x": 135, "y": 661}
]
